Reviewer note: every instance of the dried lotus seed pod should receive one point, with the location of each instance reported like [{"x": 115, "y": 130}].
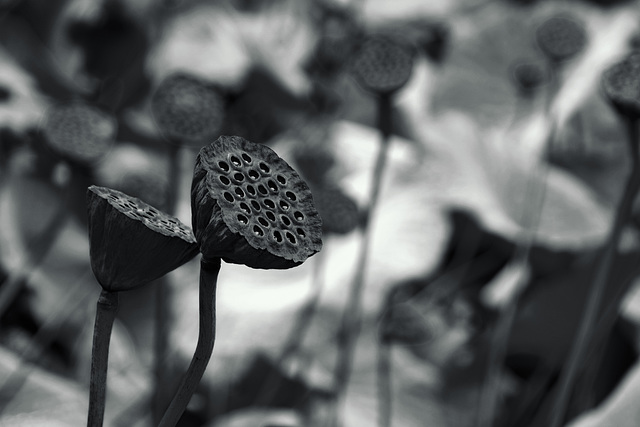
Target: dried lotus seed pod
[
  {"x": 561, "y": 38},
  {"x": 250, "y": 207},
  {"x": 621, "y": 85},
  {"x": 528, "y": 76},
  {"x": 383, "y": 64},
  {"x": 338, "y": 211},
  {"x": 187, "y": 109},
  {"x": 79, "y": 131},
  {"x": 131, "y": 242}
]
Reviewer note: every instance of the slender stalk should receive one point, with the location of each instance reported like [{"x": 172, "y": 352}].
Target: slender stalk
[
  {"x": 384, "y": 382},
  {"x": 107, "y": 307},
  {"x": 351, "y": 320},
  {"x": 206, "y": 338},
  {"x": 581, "y": 343}
]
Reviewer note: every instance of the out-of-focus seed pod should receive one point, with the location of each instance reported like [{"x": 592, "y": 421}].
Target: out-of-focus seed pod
[
  {"x": 79, "y": 131},
  {"x": 561, "y": 38},
  {"x": 621, "y": 85},
  {"x": 383, "y": 64},
  {"x": 338, "y": 211},
  {"x": 188, "y": 109},
  {"x": 131, "y": 242},
  {"x": 528, "y": 77},
  {"x": 250, "y": 207}
]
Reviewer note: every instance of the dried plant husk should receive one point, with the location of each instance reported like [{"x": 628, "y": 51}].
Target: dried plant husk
[
  {"x": 621, "y": 85},
  {"x": 187, "y": 108},
  {"x": 133, "y": 243},
  {"x": 79, "y": 131},
  {"x": 339, "y": 212},
  {"x": 561, "y": 38},
  {"x": 383, "y": 64},
  {"x": 250, "y": 207}
]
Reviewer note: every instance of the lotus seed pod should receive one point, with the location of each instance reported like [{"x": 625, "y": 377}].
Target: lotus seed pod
[
  {"x": 131, "y": 242},
  {"x": 250, "y": 207},
  {"x": 338, "y": 211},
  {"x": 561, "y": 38},
  {"x": 80, "y": 132},
  {"x": 188, "y": 109},
  {"x": 528, "y": 76},
  {"x": 621, "y": 84},
  {"x": 383, "y": 64}
]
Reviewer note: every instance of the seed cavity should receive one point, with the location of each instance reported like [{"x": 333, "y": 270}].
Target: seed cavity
[
  {"x": 291, "y": 196},
  {"x": 277, "y": 236},
  {"x": 262, "y": 189},
  {"x": 242, "y": 219},
  {"x": 258, "y": 231},
  {"x": 264, "y": 168},
  {"x": 245, "y": 208},
  {"x": 235, "y": 161},
  {"x": 270, "y": 215},
  {"x": 281, "y": 179},
  {"x": 300, "y": 232},
  {"x": 284, "y": 205},
  {"x": 291, "y": 238},
  {"x": 255, "y": 205},
  {"x": 251, "y": 190},
  {"x": 239, "y": 192},
  {"x": 246, "y": 158},
  {"x": 238, "y": 177},
  {"x": 299, "y": 216},
  {"x": 286, "y": 221},
  {"x": 224, "y": 180},
  {"x": 253, "y": 174},
  {"x": 269, "y": 203},
  {"x": 272, "y": 185},
  {"x": 224, "y": 166},
  {"x": 228, "y": 197},
  {"x": 263, "y": 221}
]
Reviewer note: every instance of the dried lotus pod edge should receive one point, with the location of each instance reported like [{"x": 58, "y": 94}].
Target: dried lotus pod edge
[
  {"x": 267, "y": 210},
  {"x": 622, "y": 99}
]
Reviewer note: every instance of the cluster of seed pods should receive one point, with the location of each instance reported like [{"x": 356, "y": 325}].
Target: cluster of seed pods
[{"x": 260, "y": 198}]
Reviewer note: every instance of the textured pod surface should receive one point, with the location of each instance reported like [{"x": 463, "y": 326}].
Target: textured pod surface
[
  {"x": 250, "y": 207},
  {"x": 383, "y": 64},
  {"x": 187, "y": 108},
  {"x": 338, "y": 211},
  {"x": 133, "y": 243},
  {"x": 79, "y": 131},
  {"x": 621, "y": 84},
  {"x": 561, "y": 38}
]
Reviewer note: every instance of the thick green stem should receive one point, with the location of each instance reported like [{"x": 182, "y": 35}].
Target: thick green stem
[
  {"x": 582, "y": 341},
  {"x": 107, "y": 308},
  {"x": 206, "y": 338}
]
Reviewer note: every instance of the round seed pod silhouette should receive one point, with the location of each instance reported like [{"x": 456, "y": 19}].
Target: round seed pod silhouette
[
  {"x": 338, "y": 211},
  {"x": 250, "y": 207},
  {"x": 131, "y": 242},
  {"x": 561, "y": 38},
  {"x": 188, "y": 109},
  {"x": 621, "y": 85},
  {"x": 79, "y": 131},
  {"x": 383, "y": 64},
  {"x": 528, "y": 77}
]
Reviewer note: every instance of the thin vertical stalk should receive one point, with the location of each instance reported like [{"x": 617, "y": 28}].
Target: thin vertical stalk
[
  {"x": 351, "y": 320},
  {"x": 384, "y": 383},
  {"x": 107, "y": 308},
  {"x": 570, "y": 372},
  {"x": 204, "y": 348}
]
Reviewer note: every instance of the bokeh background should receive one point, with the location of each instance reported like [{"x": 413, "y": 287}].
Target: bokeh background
[{"x": 466, "y": 147}]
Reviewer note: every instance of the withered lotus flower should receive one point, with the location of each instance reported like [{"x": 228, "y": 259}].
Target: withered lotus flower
[
  {"x": 383, "y": 64},
  {"x": 79, "y": 131},
  {"x": 621, "y": 85},
  {"x": 250, "y": 207},
  {"x": 187, "y": 108},
  {"x": 133, "y": 243},
  {"x": 561, "y": 38}
]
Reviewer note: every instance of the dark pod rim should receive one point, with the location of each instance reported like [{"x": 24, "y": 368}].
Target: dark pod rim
[
  {"x": 561, "y": 37},
  {"x": 262, "y": 198},
  {"x": 79, "y": 131},
  {"x": 151, "y": 217},
  {"x": 621, "y": 85},
  {"x": 383, "y": 64},
  {"x": 187, "y": 108}
]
